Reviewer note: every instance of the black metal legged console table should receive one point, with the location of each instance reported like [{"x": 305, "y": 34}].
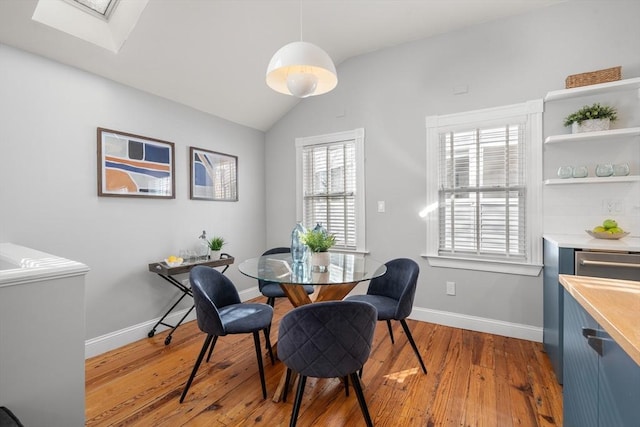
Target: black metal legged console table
[{"x": 168, "y": 273}]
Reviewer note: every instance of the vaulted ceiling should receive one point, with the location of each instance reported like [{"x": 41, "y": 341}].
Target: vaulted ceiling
[{"x": 212, "y": 55}]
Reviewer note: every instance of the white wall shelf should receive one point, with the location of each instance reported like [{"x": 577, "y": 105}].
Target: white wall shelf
[
  {"x": 605, "y": 134},
  {"x": 627, "y": 84},
  {"x": 627, "y": 135},
  {"x": 593, "y": 180}
]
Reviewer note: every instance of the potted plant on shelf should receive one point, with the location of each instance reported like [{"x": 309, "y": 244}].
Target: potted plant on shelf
[
  {"x": 591, "y": 118},
  {"x": 319, "y": 242},
  {"x": 216, "y": 244}
]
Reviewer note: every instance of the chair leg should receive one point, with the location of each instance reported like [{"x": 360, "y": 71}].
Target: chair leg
[
  {"x": 390, "y": 331},
  {"x": 346, "y": 385},
  {"x": 205, "y": 345},
  {"x": 296, "y": 404},
  {"x": 213, "y": 344},
  {"x": 363, "y": 403},
  {"x": 287, "y": 380},
  {"x": 271, "y": 301},
  {"x": 268, "y": 344},
  {"x": 256, "y": 340},
  {"x": 413, "y": 343}
]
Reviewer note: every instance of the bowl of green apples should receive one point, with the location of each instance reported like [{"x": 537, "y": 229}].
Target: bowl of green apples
[{"x": 608, "y": 230}]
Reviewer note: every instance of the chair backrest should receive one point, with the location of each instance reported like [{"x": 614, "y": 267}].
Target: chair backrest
[
  {"x": 278, "y": 250},
  {"x": 399, "y": 283},
  {"x": 212, "y": 291},
  {"x": 327, "y": 339}
]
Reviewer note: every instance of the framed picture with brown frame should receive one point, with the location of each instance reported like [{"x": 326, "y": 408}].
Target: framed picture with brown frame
[
  {"x": 214, "y": 176},
  {"x": 135, "y": 166}
]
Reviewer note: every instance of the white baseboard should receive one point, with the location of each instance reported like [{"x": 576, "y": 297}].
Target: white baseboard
[
  {"x": 113, "y": 340},
  {"x": 478, "y": 324}
]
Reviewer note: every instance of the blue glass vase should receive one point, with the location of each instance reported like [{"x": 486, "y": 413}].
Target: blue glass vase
[
  {"x": 298, "y": 249},
  {"x": 320, "y": 228}
]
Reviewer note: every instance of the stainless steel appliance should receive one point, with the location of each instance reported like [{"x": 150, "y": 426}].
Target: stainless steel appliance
[{"x": 614, "y": 265}]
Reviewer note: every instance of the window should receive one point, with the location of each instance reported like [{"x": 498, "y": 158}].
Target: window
[
  {"x": 483, "y": 186},
  {"x": 105, "y": 23},
  {"x": 101, "y": 8},
  {"x": 330, "y": 186}
]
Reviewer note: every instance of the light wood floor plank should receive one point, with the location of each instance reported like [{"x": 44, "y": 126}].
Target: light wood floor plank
[{"x": 473, "y": 379}]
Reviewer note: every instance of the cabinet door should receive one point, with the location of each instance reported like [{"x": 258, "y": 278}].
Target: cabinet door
[
  {"x": 619, "y": 387},
  {"x": 580, "y": 387},
  {"x": 556, "y": 261}
]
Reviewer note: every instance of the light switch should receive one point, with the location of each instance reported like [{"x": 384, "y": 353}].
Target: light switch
[{"x": 381, "y": 206}]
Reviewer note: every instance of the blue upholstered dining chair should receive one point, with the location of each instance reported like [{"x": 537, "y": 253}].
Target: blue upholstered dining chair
[
  {"x": 272, "y": 290},
  {"x": 220, "y": 312},
  {"x": 392, "y": 294},
  {"x": 327, "y": 340}
]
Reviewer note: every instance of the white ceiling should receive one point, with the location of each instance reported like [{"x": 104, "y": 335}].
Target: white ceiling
[{"x": 212, "y": 54}]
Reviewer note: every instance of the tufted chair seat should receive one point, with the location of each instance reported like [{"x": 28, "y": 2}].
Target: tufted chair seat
[
  {"x": 392, "y": 294},
  {"x": 220, "y": 312},
  {"x": 327, "y": 340}
]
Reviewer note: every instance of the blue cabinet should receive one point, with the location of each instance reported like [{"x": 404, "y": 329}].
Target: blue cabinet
[
  {"x": 601, "y": 382},
  {"x": 556, "y": 261},
  {"x": 618, "y": 386},
  {"x": 580, "y": 386}
]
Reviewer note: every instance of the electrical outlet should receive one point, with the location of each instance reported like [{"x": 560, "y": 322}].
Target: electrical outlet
[
  {"x": 381, "y": 206},
  {"x": 612, "y": 206},
  {"x": 451, "y": 288}
]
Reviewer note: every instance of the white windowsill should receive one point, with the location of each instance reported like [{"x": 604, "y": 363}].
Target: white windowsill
[
  {"x": 521, "y": 269},
  {"x": 347, "y": 251}
]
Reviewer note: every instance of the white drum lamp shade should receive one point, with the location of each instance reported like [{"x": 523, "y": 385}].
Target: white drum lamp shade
[{"x": 301, "y": 69}]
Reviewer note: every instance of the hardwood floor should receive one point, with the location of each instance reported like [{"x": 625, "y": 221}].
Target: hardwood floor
[{"x": 473, "y": 379}]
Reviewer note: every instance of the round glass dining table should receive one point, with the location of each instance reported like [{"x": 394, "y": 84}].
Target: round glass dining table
[{"x": 344, "y": 272}]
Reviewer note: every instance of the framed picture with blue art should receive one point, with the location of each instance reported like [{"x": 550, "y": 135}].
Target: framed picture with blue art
[
  {"x": 135, "y": 166},
  {"x": 214, "y": 176}
]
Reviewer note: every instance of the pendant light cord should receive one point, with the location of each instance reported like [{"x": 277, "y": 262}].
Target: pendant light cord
[{"x": 300, "y": 13}]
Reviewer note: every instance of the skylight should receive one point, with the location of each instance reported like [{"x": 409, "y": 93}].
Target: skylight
[
  {"x": 95, "y": 21},
  {"x": 102, "y": 8}
]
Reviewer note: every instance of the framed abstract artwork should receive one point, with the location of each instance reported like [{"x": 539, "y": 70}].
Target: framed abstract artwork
[
  {"x": 214, "y": 176},
  {"x": 135, "y": 166}
]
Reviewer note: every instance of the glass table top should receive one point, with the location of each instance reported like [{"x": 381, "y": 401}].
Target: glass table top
[{"x": 343, "y": 268}]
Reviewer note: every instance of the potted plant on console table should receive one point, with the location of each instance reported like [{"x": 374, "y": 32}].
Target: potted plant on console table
[
  {"x": 319, "y": 242},
  {"x": 216, "y": 244},
  {"x": 591, "y": 118}
]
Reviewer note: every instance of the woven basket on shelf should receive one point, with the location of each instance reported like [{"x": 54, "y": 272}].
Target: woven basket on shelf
[{"x": 594, "y": 77}]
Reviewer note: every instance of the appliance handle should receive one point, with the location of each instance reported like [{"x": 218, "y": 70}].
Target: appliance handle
[{"x": 608, "y": 264}]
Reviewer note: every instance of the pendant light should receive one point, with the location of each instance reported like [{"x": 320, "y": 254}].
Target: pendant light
[{"x": 301, "y": 69}]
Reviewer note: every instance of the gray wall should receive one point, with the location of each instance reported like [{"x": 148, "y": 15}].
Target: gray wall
[
  {"x": 48, "y": 190},
  {"x": 389, "y": 93},
  {"x": 48, "y": 184}
]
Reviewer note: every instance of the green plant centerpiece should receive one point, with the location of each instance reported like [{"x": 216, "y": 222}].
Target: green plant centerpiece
[
  {"x": 591, "y": 117},
  {"x": 215, "y": 244},
  {"x": 319, "y": 242}
]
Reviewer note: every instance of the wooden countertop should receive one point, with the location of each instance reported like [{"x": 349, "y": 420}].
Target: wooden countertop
[{"x": 614, "y": 304}]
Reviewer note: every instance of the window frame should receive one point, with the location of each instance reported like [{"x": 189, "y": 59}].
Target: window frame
[
  {"x": 531, "y": 111},
  {"x": 357, "y": 135}
]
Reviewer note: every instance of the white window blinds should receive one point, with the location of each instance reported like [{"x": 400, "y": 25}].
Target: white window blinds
[
  {"x": 329, "y": 187},
  {"x": 481, "y": 191},
  {"x": 484, "y": 189}
]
